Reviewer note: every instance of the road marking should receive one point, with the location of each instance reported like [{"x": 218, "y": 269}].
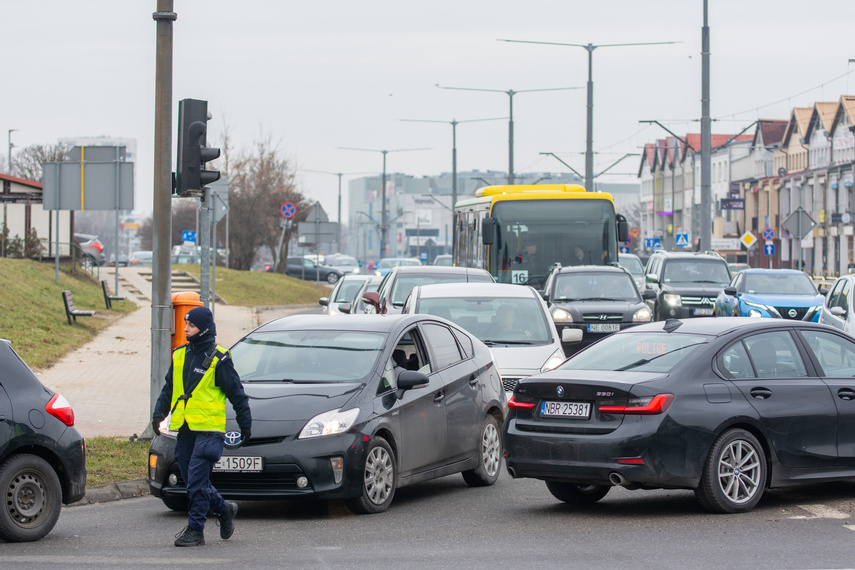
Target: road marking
[
  {"x": 821, "y": 511},
  {"x": 849, "y": 526}
]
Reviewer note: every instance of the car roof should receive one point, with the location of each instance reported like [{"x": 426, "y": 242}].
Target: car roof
[
  {"x": 443, "y": 290},
  {"x": 688, "y": 255},
  {"x": 438, "y": 270},
  {"x": 592, "y": 269},
  {"x": 784, "y": 271},
  {"x": 362, "y": 323}
]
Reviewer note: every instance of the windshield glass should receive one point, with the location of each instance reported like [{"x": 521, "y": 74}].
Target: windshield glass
[
  {"x": 632, "y": 264},
  {"x": 532, "y": 235},
  {"x": 307, "y": 356},
  {"x": 644, "y": 352},
  {"x": 493, "y": 320},
  {"x": 390, "y": 263},
  {"x": 344, "y": 261},
  {"x": 696, "y": 271},
  {"x": 404, "y": 284},
  {"x": 595, "y": 286},
  {"x": 347, "y": 290},
  {"x": 779, "y": 284}
]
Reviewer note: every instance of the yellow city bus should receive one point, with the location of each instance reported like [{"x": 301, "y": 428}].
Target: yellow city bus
[{"x": 497, "y": 228}]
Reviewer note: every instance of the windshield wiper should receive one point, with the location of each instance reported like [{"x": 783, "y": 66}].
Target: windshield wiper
[
  {"x": 707, "y": 281},
  {"x": 493, "y": 342}
]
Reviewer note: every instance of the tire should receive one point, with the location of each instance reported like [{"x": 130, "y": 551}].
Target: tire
[
  {"x": 332, "y": 278},
  {"x": 178, "y": 504},
  {"x": 33, "y": 497},
  {"x": 379, "y": 480},
  {"x": 577, "y": 494},
  {"x": 736, "y": 458},
  {"x": 489, "y": 456}
]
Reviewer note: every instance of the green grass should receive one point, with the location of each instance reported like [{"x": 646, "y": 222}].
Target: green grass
[
  {"x": 110, "y": 459},
  {"x": 32, "y": 314},
  {"x": 257, "y": 288}
]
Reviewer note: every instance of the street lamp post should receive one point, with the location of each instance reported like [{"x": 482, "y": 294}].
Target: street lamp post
[
  {"x": 339, "y": 174},
  {"x": 9, "y": 165},
  {"x": 453, "y": 123},
  {"x": 589, "y": 143},
  {"x": 510, "y": 93},
  {"x": 384, "y": 225}
]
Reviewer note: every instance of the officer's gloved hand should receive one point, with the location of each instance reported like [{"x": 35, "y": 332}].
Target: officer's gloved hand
[
  {"x": 246, "y": 433},
  {"x": 155, "y": 424}
]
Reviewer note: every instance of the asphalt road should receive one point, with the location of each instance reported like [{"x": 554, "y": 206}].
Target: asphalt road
[{"x": 444, "y": 523}]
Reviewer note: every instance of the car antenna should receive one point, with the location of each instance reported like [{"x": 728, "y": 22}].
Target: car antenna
[{"x": 672, "y": 324}]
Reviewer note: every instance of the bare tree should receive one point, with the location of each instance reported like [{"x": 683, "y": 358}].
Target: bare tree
[
  {"x": 183, "y": 218},
  {"x": 28, "y": 163},
  {"x": 260, "y": 182}
]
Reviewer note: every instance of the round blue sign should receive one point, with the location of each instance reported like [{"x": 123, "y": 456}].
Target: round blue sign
[
  {"x": 768, "y": 233},
  {"x": 288, "y": 210}
]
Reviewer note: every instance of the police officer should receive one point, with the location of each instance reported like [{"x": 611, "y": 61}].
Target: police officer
[{"x": 200, "y": 379}]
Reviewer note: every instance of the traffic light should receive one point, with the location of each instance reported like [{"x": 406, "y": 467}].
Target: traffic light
[{"x": 191, "y": 176}]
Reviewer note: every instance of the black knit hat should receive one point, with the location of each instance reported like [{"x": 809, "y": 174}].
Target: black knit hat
[{"x": 202, "y": 318}]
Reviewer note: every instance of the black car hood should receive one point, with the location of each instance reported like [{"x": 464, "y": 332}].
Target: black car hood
[{"x": 275, "y": 402}]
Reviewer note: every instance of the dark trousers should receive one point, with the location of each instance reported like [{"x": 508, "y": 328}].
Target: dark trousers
[{"x": 196, "y": 453}]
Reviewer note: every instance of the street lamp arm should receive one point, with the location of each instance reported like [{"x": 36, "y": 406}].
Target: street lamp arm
[
  {"x": 615, "y": 163},
  {"x": 587, "y": 46},
  {"x": 435, "y": 199},
  {"x": 509, "y": 91},
  {"x": 453, "y": 121},
  {"x": 481, "y": 179},
  {"x": 573, "y": 170},
  {"x": 733, "y": 138},
  {"x": 672, "y": 133}
]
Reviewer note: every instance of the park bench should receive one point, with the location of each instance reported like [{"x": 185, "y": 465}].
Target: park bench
[
  {"x": 108, "y": 299},
  {"x": 70, "y": 311}
]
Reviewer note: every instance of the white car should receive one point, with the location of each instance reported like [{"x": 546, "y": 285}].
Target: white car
[
  {"x": 838, "y": 310},
  {"x": 343, "y": 293},
  {"x": 511, "y": 319}
]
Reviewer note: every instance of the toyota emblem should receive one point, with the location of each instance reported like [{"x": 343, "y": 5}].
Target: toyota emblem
[
  {"x": 793, "y": 313},
  {"x": 233, "y": 439},
  {"x": 560, "y": 391}
]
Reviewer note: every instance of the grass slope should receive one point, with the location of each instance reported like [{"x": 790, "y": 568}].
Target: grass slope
[{"x": 257, "y": 288}]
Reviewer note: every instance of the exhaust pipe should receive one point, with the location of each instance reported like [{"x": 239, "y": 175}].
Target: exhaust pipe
[
  {"x": 512, "y": 473},
  {"x": 617, "y": 479}
]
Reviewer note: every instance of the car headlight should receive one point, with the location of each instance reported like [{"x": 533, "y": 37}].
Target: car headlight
[
  {"x": 554, "y": 361},
  {"x": 671, "y": 299},
  {"x": 164, "y": 427},
  {"x": 561, "y": 316},
  {"x": 754, "y": 313},
  {"x": 759, "y": 309},
  {"x": 356, "y": 271},
  {"x": 329, "y": 423},
  {"x": 642, "y": 315}
]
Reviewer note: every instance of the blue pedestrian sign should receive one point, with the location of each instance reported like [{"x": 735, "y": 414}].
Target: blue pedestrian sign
[
  {"x": 682, "y": 240},
  {"x": 624, "y": 249},
  {"x": 769, "y": 249},
  {"x": 187, "y": 235}
]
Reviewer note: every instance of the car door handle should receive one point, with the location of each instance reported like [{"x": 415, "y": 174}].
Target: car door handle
[
  {"x": 439, "y": 397},
  {"x": 761, "y": 393},
  {"x": 473, "y": 379},
  {"x": 846, "y": 394}
]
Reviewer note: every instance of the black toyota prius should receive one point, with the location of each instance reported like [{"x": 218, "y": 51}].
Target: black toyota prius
[
  {"x": 353, "y": 410},
  {"x": 724, "y": 407}
]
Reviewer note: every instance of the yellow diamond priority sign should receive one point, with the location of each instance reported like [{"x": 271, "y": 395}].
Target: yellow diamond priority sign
[{"x": 748, "y": 239}]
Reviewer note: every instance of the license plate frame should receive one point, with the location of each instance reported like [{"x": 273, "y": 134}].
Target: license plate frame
[
  {"x": 603, "y": 327},
  {"x": 703, "y": 312},
  {"x": 239, "y": 464},
  {"x": 574, "y": 410}
]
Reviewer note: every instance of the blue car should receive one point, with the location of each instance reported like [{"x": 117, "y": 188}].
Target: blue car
[{"x": 770, "y": 293}]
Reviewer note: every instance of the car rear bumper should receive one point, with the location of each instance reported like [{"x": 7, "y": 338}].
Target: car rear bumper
[{"x": 73, "y": 458}]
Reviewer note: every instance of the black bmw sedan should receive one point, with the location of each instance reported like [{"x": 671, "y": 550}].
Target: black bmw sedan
[
  {"x": 353, "y": 409},
  {"x": 725, "y": 407}
]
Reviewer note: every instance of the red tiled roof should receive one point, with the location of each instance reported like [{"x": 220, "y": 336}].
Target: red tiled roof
[{"x": 23, "y": 181}]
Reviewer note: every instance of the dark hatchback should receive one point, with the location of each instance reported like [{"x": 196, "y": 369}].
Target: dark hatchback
[
  {"x": 596, "y": 300},
  {"x": 42, "y": 456},
  {"x": 353, "y": 409},
  {"x": 725, "y": 407}
]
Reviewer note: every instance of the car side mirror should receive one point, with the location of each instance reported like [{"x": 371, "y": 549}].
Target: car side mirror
[
  {"x": 571, "y": 336},
  {"x": 324, "y": 301},
  {"x": 345, "y": 308},
  {"x": 410, "y": 379},
  {"x": 651, "y": 278},
  {"x": 838, "y": 311},
  {"x": 373, "y": 299},
  {"x": 730, "y": 291},
  {"x": 648, "y": 294}
]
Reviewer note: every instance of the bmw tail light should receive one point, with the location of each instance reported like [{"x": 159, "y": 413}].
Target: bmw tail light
[
  {"x": 59, "y": 408},
  {"x": 516, "y": 403},
  {"x": 648, "y": 406}
]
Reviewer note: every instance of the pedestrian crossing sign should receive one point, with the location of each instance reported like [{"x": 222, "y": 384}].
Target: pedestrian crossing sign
[{"x": 682, "y": 240}]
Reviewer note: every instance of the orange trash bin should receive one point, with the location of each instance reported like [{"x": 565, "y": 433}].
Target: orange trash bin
[{"x": 182, "y": 303}]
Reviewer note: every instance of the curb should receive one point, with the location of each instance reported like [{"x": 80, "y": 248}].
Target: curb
[{"x": 113, "y": 492}]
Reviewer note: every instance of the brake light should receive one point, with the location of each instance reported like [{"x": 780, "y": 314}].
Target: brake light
[
  {"x": 515, "y": 404},
  {"x": 98, "y": 246},
  {"x": 641, "y": 406},
  {"x": 59, "y": 408}
]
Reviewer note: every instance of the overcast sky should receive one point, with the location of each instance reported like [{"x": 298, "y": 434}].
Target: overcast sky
[{"x": 313, "y": 76}]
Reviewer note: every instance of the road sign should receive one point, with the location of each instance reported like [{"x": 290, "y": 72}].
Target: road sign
[
  {"x": 748, "y": 239},
  {"x": 769, "y": 249},
  {"x": 768, "y": 233},
  {"x": 652, "y": 243},
  {"x": 288, "y": 210},
  {"x": 423, "y": 256},
  {"x": 635, "y": 232},
  {"x": 624, "y": 249},
  {"x": 187, "y": 235},
  {"x": 682, "y": 240},
  {"x": 799, "y": 223}
]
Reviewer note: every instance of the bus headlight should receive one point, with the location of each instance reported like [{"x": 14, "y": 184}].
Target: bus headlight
[
  {"x": 561, "y": 316},
  {"x": 642, "y": 315},
  {"x": 671, "y": 299}
]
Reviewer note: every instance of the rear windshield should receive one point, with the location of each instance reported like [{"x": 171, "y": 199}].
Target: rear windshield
[
  {"x": 508, "y": 320},
  {"x": 644, "y": 352},
  {"x": 404, "y": 284}
]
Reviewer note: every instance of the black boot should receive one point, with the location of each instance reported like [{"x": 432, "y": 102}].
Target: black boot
[
  {"x": 227, "y": 520},
  {"x": 190, "y": 537}
]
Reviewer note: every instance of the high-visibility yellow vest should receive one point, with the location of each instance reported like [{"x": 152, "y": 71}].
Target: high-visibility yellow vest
[{"x": 204, "y": 409}]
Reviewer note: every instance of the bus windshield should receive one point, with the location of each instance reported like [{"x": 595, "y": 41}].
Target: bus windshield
[{"x": 532, "y": 235}]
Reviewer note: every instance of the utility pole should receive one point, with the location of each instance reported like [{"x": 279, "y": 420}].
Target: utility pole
[
  {"x": 706, "y": 139},
  {"x": 339, "y": 174},
  {"x": 161, "y": 327}
]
